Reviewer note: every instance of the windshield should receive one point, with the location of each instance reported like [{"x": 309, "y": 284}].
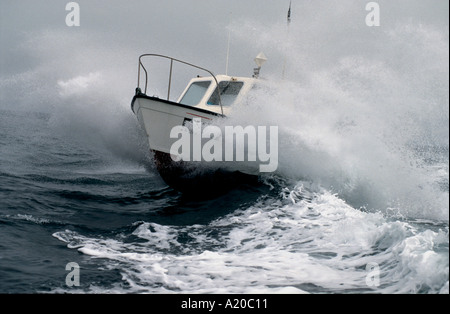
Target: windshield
[
  {"x": 228, "y": 93},
  {"x": 195, "y": 93}
]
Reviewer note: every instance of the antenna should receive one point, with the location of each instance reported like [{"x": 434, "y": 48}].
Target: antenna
[
  {"x": 228, "y": 47},
  {"x": 288, "y": 24}
]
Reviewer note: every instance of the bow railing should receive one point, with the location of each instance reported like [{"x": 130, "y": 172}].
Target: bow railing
[{"x": 172, "y": 60}]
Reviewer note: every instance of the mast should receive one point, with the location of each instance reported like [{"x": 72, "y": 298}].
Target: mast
[{"x": 288, "y": 24}]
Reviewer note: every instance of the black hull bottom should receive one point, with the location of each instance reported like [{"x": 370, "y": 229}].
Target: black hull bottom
[{"x": 197, "y": 182}]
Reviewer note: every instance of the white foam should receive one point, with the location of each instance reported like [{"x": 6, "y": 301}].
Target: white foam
[{"x": 308, "y": 242}]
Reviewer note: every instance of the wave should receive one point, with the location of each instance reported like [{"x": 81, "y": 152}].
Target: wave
[{"x": 304, "y": 240}]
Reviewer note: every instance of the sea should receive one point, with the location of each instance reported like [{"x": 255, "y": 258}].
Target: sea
[
  {"x": 64, "y": 201},
  {"x": 359, "y": 202}
]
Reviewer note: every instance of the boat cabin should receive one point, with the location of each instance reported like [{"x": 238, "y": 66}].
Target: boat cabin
[{"x": 202, "y": 92}]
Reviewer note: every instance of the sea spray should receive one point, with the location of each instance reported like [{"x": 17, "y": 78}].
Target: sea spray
[{"x": 362, "y": 124}]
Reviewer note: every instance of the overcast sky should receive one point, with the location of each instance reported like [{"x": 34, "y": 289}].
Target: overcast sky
[
  {"x": 171, "y": 26},
  {"x": 147, "y": 26},
  {"x": 34, "y": 37}
]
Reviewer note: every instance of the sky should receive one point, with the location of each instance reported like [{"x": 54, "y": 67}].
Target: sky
[
  {"x": 179, "y": 28},
  {"x": 195, "y": 27},
  {"x": 37, "y": 45}
]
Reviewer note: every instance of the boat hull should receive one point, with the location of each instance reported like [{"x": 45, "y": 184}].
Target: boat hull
[
  {"x": 193, "y": 180},
  {"x": 157, "y": 117}
]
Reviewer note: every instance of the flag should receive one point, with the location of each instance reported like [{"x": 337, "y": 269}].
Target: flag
[{"x": 289, "y": 13}]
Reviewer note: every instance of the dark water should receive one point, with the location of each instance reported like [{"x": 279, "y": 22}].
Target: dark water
[
  {"x": 49, "y": 185},
  {"x": 64, "y": 200}
]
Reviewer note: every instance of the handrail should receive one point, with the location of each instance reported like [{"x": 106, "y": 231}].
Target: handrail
[{"x": 170, "y": 74}]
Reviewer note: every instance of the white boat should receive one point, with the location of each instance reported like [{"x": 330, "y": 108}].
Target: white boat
[{"x": 199, "y": 100}]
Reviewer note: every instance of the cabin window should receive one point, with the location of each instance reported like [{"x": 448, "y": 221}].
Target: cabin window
[
  {"x": 195, "y": 93},
  {"x": 228, "y": 93}
]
